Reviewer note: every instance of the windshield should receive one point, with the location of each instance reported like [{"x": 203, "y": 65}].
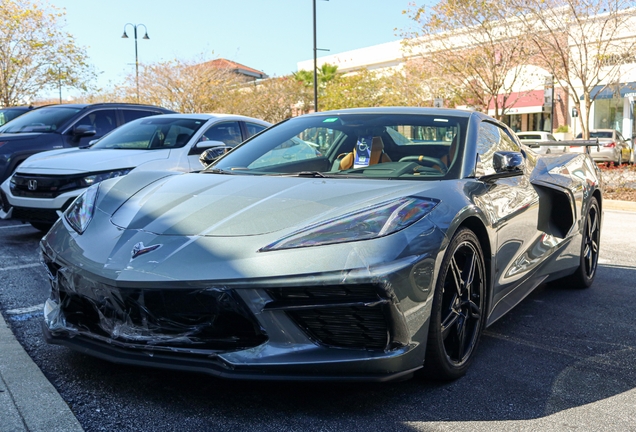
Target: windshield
[
  {"x": 529, "y": 137},
  {"x": 151, "y": 133},
  {"x": 40, "y": 120},
  {"x": 6, "y": 115},
  {"x": 354, "y": 145},
  {"x": 598, "y": 134}
]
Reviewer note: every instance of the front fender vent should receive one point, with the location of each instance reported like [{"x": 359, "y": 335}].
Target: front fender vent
[{"x": 556, "y": 211}]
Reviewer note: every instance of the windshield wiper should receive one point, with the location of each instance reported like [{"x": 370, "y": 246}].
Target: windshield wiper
[
  {"x": 311, "y": 174},
  {"x": 216, "y": 171}
]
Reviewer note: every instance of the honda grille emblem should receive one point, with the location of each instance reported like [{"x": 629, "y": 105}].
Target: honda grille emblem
[
  {"x": 140, "y": 249},
  {"x": 32, "y": 185}
]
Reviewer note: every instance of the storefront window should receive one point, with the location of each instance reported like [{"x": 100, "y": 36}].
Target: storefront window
[
  {"x": 528, "y": 122},
  {"x": 608, "y": 114}
]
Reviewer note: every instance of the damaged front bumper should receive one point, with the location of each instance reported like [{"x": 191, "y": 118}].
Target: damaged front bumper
[{"x": 302, "y": 328}]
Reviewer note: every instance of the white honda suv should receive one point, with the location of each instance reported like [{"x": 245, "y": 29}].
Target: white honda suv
[{"x": 45, "y": 184}]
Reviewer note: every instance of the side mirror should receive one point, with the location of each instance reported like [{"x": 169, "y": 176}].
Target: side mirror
[
  {"x": 506, "y": 164},
  {"x": 202, "y": 145},
  {"x": 83, "y": 131},
  {"x": 212, "y": 154}
]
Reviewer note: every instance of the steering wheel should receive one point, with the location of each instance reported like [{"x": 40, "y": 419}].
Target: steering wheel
[{"x": 426, "y": 161}]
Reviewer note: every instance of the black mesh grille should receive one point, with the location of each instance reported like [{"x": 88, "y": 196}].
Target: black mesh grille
[
  {"x": 202, "y": 319},
  {"x": 44, "y": 186},
  {"x": 362, "y": 327},
  {"x": 345, "y": 327},
  {"x": 366, "y": 292}
]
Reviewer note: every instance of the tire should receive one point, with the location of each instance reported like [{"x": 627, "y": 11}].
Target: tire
[
  {"x": 458, "y": 311},
  {"x": 620, "y": 159},
  {"x": 584, "y": 275},
  {"x": 42, "y": 226}
]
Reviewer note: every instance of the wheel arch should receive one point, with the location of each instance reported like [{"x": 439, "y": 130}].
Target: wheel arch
[{"x": 599, "y": 198}]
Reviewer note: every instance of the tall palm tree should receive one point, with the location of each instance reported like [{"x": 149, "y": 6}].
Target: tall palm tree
[{"x": 325, "y": 74}]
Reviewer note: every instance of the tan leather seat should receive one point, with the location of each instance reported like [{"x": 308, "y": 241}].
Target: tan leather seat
[
  {"x": 377, "y": 155},
  {"x": 448, "y": 159}
]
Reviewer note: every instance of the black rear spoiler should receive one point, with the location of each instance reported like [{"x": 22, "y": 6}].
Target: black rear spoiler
[{"x": 571, "y": 143}]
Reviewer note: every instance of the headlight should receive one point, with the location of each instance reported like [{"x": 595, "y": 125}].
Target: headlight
[
  {"x": 372, "y": 222},
  {"x": 98, "y": 177},
  {"x": 80, "y": 212}
]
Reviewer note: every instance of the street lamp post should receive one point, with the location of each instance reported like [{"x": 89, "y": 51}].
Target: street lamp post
[
  {"x": 316, "y": 49},
  {"x": 125, "y": 36}
]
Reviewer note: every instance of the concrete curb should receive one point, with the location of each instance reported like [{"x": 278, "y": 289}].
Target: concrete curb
[
  {"x": 28, "y": 401},
  {"x": 629, "y": 206}
]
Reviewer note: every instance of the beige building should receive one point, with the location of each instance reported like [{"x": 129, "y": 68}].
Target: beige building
[{"x": 536, "y": 103}]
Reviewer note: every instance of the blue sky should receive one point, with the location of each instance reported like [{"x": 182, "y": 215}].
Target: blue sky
[{"x": 268, "y": 35}]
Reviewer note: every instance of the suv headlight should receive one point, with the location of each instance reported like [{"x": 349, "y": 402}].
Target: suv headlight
[
  {"x": 80, "y": 212},
  {"x": 92, "y": 179},
  {"x": 372, "y": 222}
]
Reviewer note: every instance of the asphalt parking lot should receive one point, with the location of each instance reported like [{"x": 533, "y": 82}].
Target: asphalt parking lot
[{"x": 562, "y": 360}]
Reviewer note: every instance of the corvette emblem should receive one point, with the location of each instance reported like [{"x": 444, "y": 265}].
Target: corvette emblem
[{"x": 140, "y": 249}]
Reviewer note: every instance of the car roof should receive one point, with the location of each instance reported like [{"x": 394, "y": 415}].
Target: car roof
[
  {"x": 19, "y": 108},
  {"x": 402, "y": 110},
  {"x": 104, "y": 104},
  {"x": 208, "y": 116}
]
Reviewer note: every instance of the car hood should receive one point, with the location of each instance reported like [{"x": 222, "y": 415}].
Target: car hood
[
  {"x": 233, "y": 205},
  {"x": 21, "y": 136},
  {"x": 88, "y": 160}
]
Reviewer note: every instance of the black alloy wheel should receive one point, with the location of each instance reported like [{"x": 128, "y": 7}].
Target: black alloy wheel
[
  {"x": 590, "y": 246},
  {"x": 457, "y": 318}
]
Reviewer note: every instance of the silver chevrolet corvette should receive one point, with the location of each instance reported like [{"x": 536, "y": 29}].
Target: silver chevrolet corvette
[{"x": 360, "y": 244}]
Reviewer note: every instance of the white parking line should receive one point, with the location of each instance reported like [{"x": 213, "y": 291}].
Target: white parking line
[
  {"x": 26, "y": 310},
  {"x": 19, "y": 267},
  {"x": 15, "y": 226}
]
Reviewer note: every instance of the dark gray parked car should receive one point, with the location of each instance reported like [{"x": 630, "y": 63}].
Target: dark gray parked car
[
  {"x": 9, "y": 113},
  {"x": 58, "y": 126},
  {"x": 388, "y": 247}
]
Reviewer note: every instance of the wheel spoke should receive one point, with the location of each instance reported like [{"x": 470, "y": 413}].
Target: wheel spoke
[
  {"x": 448, "y": 323},
  {"x": 457, "y": 276},
  {"x": 469, "y": 270},
  {"x": 461, "y": 338},
  {"x": 595, "y": 223},
  {"x": 474, "y": 310}
]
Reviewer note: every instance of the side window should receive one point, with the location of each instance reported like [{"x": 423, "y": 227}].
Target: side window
[
  {"x": 227, "y": 132},
  {"x": 551, "y": 138},
  {"x": 133, "y": 114},
  {"x": 253, "y": 129},
  {"x": 491, "y": 139},
  {"x": 103, "y": 121}
]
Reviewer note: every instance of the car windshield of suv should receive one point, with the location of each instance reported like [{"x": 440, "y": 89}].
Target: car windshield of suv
[
  {"x": 6, "y": 115},
  {"x": 40, "y": 120},
  {"x": 151, "y": 133},
  {"x": 353, "y": 145}
]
